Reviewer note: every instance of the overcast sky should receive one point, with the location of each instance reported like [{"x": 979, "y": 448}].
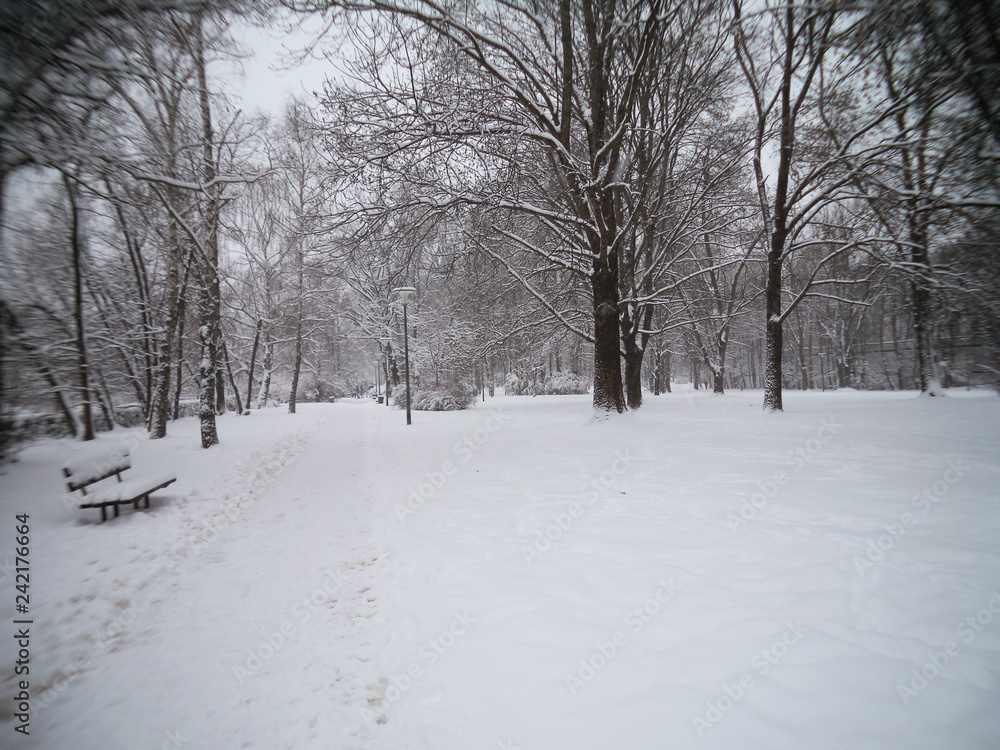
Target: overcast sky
[{"x": 263, "y": 82}]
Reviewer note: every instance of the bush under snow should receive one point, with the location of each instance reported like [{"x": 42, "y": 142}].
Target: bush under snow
[
  {"x": 559, "y": 384},
  {"x": 442, "y": 398}
]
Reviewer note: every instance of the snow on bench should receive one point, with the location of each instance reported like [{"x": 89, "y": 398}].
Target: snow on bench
[{"x": 83, "y": 473}]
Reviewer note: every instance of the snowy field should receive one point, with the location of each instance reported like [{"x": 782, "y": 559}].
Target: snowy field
[{"x": 695, "y": 575}]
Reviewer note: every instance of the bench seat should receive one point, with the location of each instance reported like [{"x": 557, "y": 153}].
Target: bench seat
[{"x": 128, "y": 490}]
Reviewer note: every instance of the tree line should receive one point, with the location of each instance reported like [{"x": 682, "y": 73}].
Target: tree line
[{"x": 762, "y": 195}]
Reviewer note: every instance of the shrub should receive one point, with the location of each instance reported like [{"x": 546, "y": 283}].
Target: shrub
[
  {"x": 566, "y": 383},
  {"x": 560, "y": 384},
  {"x": 443, "y": 398},
  {"x": 514, "y": 386}
]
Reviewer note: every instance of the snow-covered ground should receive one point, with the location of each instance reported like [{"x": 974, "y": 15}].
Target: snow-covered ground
[{"x": 695, "y": 575}]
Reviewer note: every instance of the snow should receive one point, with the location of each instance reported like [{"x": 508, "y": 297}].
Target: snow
[
  {"x": 519, "y": 575},
  {"x": 96, "y": 465},
  {"x": 87, "y": 469},
  {"x": 131, "y": 488}
]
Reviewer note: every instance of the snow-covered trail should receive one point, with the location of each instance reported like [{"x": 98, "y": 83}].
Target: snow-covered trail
[
  {"x": 698, "y": 574},
  {"x": 254, "y": 643}
]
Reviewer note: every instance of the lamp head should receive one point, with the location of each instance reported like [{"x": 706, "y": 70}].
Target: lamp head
[{"x": 405, "y": 293}]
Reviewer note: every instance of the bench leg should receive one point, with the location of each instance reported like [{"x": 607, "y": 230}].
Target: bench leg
[
  {"x": 135, "y": 505},
  {"x": 104, "y": 515},
  {"x": 147, "y": 502},
  {"x": 116, "y": 510}
]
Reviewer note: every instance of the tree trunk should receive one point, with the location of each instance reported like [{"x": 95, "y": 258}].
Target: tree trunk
[
  {"x": 719, "y": 368},
  {"x": 772, "y": 328},
  {"x": 206, "y": 365},
  {"x": 159, "y": 410},
  {"x": 179, "y": 356},
  {"x": 921, "y": 300},
  {"x": 142, "y": 288},
  {"x": 105, "y": 401},
  {"x": 253, "y": 360},
  {"x": 220, "y": 380},
  {"x": 385, "y": 367},
  {"x": 265, "y": 378},
  {"x": 634, "y": 342},
  {"x": 297, "y": 365},
  {"x": 160, "y": 401},
  {"x": 76, "y": 246},
  {"x": 60, "y": 397},
  {"x": 232, "y": 380},
  {"x": 179, "y": 384},
  {"x": 608, "y": 393},
  {"x": 393, "y": 369},
  {"x": 209, "y": 312},
  {"x": 633, "y": 375},
  {"x": 657, "y": 370}
]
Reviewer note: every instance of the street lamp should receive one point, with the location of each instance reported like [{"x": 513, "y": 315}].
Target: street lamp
[
  {"x": 384, "y": 341},
  {"x": 404, "y": 294}
]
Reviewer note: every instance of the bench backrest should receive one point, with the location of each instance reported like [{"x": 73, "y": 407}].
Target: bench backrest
[{"x": 85, "y": 471}]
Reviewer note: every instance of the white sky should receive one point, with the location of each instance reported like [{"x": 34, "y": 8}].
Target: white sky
[
  {"x": 264, "y": 83},
  {"x": 260, "y": 81}
]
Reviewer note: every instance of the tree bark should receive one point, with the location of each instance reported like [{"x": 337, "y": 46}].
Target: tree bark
[
  {"x": 179, "y": 356},
  {"x": 210, "y": 293},
  {"x": 385, "y": 366},
  {"x": 76, "y": 245},
  {"x": 718, "y": 367},
  {"x": 633, "y": 375},
  {"x": 220, "y": 378},
  {"x": 72, "y": 424},
  {"x": 253, "y": 360},
  {"x": 297, "y": 365},
  {"x": 232, "y": 380},
  {"x": 608, "y": 393},
  {"x": 265, "y": 378}
]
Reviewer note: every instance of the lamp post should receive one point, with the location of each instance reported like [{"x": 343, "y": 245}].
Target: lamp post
[
  {"x": 384, "y": 341},
  {"x": 404, "y": 294}
]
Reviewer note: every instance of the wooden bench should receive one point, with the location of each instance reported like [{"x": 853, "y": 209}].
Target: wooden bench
[{"x": 82, "y": 474}]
